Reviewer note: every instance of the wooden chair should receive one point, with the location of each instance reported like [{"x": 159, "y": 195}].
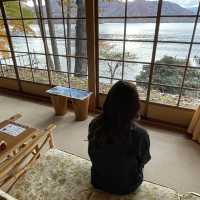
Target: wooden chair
[{"x": 19, "y": 160}]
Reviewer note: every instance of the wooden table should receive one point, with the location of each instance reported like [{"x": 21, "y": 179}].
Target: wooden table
[
  {"x": 15, "y": 142},
  {"x": 21, "y": 150},
  {"x": 80, "y": 99}
]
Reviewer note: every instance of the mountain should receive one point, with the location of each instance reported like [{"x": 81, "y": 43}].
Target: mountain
[{"x": 138, "y": 8}]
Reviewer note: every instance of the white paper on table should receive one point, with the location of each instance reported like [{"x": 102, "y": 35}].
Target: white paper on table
[{"x": 12, "y": 129}]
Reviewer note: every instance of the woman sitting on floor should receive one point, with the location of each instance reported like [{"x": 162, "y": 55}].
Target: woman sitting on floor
[{"x": 118, "y": 147}]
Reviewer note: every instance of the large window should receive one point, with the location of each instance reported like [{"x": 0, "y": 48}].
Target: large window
[
  {"x": 48, "y": 39},
  {"x": 154, "y": 44}
]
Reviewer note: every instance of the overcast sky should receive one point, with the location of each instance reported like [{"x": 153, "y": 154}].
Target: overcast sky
[{"x": 186, "y": 3}]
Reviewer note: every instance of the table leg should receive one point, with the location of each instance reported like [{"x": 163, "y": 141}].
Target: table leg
[
  {"x": 81, "y": 108},
  {"x": 60, "y": 104}
]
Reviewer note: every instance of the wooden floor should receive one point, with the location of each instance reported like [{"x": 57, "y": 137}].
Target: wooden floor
[{"x": 175, "y": 158}]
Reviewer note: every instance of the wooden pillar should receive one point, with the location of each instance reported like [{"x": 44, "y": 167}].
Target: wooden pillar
[{"x": 91, "y": 49}]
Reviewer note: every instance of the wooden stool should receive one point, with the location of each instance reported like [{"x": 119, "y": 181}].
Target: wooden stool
[
  {"x": 80, "y": 98},
  {"x": 59, "y": 104},
  {"x": 81, "y": 108}
]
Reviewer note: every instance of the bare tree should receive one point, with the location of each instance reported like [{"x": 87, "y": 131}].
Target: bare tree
[
  {"x": 52, "y": 34},
  {"x": 114, "y": 56},
  {"x": 42, "y": 27},
  {"x": 67, "y": 6},
  {"x": 80, "y": 46}
]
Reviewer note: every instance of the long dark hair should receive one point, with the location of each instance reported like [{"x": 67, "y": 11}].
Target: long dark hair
[{"x": 120, "y": 110}]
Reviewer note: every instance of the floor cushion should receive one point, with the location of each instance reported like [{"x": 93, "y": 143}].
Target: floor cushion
[
  {"x": 5, "y": 196},
  {"x": 62, "y": 176},
  {"x": 190, "y": 196}
]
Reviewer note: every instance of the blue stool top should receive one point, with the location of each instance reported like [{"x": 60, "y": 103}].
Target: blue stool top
[{"x": 69, "y": 92}]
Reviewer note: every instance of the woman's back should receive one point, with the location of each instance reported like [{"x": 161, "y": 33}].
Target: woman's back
[
  {"x": 118, "y": 148},
  {"x": 118, "y": 168}
]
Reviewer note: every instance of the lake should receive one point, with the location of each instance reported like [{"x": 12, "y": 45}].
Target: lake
[{"x": 138, "y": 51}]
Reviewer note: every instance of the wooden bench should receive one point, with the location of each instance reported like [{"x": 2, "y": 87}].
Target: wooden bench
[{"x": 80, "y": 99}]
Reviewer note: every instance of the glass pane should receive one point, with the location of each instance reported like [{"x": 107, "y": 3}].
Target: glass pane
[
  {"x": 190, "y": 99},
  {"x": 192, "y": 78},
  {"x": 142, "y": 8},
  {"x": 16, "y": 27},
  {"x": 19, "y": 44},
  {"x": 75, "y": 28},
  {"x": 176, "y": 31},
  {"x": 25, "y": 74},
  {"x": 195, "y": 56},
  {"x": 110, "y": 69},
  {"x": 23, "y": 60},
  {"x": 136, "y": 72},
  {"x": 32, "y": 28},
  {"x": 140, "y": 31},
  {"x": 111, "y": 29},
  {"x": 164, "y": 95},
  {"x": 179, "y": 7},
  {"x": 112, "y": 8},
  {"x": 168, "y": 75},
  {"x": 142, "y": 90},
  {"x": 66, "y": 63},
  {"x": 6, "y": 65},
  {"x": 59, "y": 78},
  {"x": 138, "y": 51},
  {"x": 172, "y": 53},
  {"x": 40, "y": 68},
  {"x": 12, "y": 9},
  {"x": 105, "y": 85},
  {"x": 142, "y": 73},
  {"x": 2, "y": 29},
  {"x": 4, "y": 45},
  {"x": 76, "y": 66},
  {"x": 78, "y": 76},
  {"x": 36, "y": 45},
  {"x": 41, "y": 76},
  {"x": 110, "y": 50},
  {"x": 80, "y": 28},
  {"x": 60, "y": 46},
  {"x": 197, "y": 33},
  {"x": 57, "y": 28},
  {"x": 79, "y": 48},
  {"x": 6, "y": 58},
  {"x": 79, "y": 82},
  {"x": 76, "y": 9},
  {"x": 28, "y": 10},
  {"x": 80, "y": 67}
]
